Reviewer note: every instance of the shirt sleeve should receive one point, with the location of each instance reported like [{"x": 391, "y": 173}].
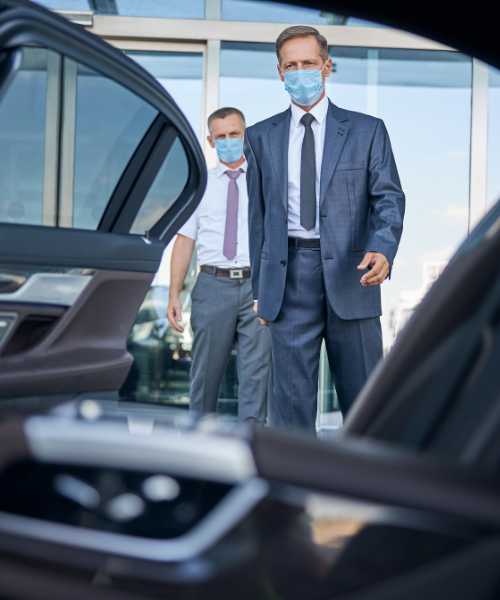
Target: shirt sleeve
[{"x": 190, "y": 227}]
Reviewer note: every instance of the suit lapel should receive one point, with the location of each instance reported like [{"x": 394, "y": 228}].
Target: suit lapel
[
  {"x": 337, "y": 130},
  {"x": 278, "y": 140}
]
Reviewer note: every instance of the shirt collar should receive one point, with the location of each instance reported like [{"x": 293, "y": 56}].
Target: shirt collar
[
  {"x": 221, "y": 169},
  {"x": 318, "y": 112}
]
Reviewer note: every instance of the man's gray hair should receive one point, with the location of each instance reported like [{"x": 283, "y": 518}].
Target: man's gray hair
[
  {"x": 222, "y": 113},
  {"x": 298, "y": 31}
]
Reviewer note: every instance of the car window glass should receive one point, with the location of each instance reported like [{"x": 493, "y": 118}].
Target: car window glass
[
  {"x": 67, "y": 134},
  {"x": 22, "y": 141},
  {"x": 168, "y": 184},
  {"x": 110, "y": 123}
]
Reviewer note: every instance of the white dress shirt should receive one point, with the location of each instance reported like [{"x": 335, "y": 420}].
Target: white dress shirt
[
  {"x": 297, "y": 131},
  {"x": 207, "y": 225}
]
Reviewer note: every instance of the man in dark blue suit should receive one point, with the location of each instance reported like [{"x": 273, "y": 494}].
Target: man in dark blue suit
[{"x": 325, "y": 217}]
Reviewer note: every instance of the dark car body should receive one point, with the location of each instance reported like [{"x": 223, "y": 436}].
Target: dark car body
[{"x": 104, "y": 498}]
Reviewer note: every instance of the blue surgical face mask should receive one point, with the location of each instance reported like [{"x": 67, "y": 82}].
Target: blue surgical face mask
[
  {"x": 304, "y": 87},
  {"x": 229, "y": 150}
]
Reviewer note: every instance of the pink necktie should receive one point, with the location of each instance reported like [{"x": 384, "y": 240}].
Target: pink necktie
[{"x": 231, "y": 230}]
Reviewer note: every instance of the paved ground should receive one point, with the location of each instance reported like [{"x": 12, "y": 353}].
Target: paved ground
[{"x": 328, "y": 425}]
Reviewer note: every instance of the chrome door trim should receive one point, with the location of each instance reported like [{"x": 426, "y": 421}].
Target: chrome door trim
[
  {"x": 234, "y": 507},
  {"x": 110, "y": 444}
]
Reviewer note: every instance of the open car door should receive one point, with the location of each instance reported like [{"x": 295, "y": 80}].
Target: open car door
[{"x": 98, "y": 169}]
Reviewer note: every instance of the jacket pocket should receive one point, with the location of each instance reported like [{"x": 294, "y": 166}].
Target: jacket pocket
[
  {"x": 357, "y": 237},
  {"x": 265, "y": 250}
]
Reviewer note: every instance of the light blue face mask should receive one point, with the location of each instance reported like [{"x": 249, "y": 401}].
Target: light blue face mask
[
  {"x": 304, "y": 87},
  {"x": 229, "y": 150}
]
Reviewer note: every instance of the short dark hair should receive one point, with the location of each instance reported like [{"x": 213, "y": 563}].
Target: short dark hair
[
  {"x": 222, "y": 113},
  {"x": 297, "y": 31}
]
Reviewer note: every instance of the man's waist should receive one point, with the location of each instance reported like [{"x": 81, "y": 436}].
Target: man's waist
[
  {"x": 296, "y": 242},
  {"x": 243, "y": 273}
]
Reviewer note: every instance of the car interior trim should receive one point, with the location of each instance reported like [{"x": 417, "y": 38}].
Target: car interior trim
[
  {"x": 224, "y": 460},
  {"x": 61, "y": 289},
  {"x": 218, "y": 522},
  {"x": 77, "y": 248}
]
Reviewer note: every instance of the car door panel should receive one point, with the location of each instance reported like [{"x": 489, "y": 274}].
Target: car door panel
[
  {"x": 81, "y": 348},
  {"x": 71, "y": 224}
]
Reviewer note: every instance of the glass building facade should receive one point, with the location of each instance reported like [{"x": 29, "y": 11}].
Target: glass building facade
[{"x": 441, "y": 108}]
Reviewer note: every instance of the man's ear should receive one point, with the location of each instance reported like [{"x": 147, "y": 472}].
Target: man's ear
[
  {"x": 281, "y": 74},
  {"x": 329, "y": 67},
  {"x": 210, "y": 141}
]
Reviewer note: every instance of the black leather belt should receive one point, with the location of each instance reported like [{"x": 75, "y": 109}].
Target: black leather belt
[
  {"x": 303, "y": 243},
  {"x": 231, "y": 273}
]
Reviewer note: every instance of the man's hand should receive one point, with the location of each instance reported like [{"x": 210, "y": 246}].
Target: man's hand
[
  {"x": 175, "y": 310},
  {"x": 263, "y": 321},
  {"x": 379, "y": 270}
]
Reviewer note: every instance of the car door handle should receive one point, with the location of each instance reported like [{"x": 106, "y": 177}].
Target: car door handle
[{"x": 11, "y": 283}]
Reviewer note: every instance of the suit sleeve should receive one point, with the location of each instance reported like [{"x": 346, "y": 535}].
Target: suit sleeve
[
  {"x": 256, "y": 211},
  {"x": 387, "y": 200}
]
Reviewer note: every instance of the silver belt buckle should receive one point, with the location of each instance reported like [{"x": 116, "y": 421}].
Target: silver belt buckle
[{"x": 236, "y": 273}]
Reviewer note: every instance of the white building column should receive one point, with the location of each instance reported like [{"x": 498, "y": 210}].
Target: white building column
[{"x": 478, "y": 142}]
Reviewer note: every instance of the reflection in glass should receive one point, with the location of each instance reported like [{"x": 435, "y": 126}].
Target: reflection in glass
[
  {"x": 110, "y": 123},
  {"x": 180, "y": 73},
  {"x": 22, "y": 141},
  {"x": 168, "y": 184},
  {"x": 493, "y": 181}
]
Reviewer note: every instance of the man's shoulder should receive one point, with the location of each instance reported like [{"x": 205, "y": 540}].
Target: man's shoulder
[
  {"x": 355, "y": 117},
  {"x": 266, "y": 124}
]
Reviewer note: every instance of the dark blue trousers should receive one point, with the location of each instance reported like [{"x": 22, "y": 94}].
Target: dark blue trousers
[{"x": 306, "y": 318}]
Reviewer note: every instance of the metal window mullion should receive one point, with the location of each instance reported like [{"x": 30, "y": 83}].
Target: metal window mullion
[
  {"x": 129, "y": 28},
  {"x": 478, "y": 142},
  {"x": 68, "y": 129},
  {"x": 211, "y": 74},
  {"x": 52, "y": 129},
  {"x": 372, "y": 81}
]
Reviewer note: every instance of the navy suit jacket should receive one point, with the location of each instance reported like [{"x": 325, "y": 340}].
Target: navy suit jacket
[{"x": 361, "y": 209}]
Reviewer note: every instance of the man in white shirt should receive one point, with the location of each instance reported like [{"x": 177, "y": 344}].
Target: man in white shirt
[
  {"x": 222, "y": 303},
  {"x": 325, "y": 219}
]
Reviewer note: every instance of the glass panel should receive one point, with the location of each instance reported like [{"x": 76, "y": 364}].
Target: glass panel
[
  {"x": 493, "y": 182},
  {"x": 168, "y": 184},
  {"x": 65, "y": 4},
  {"x": 249, "y": 80},
  {"x": 272, "y": 12},
  {"x": 110, "y": 123},
  {"x": 167, "y": 9},
  {"x": 22, "y": 141},
  {"x": 181, "y": 74}
]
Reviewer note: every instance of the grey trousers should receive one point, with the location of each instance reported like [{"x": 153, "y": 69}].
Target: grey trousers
[
  {"x": 306, "y": 318},
  {"x": 222, "y": 311}
]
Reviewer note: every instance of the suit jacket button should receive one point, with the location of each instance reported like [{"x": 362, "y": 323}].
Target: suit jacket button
[
  {"x": 283, "y": 263},
  {"x": 284, "y": 220}
]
